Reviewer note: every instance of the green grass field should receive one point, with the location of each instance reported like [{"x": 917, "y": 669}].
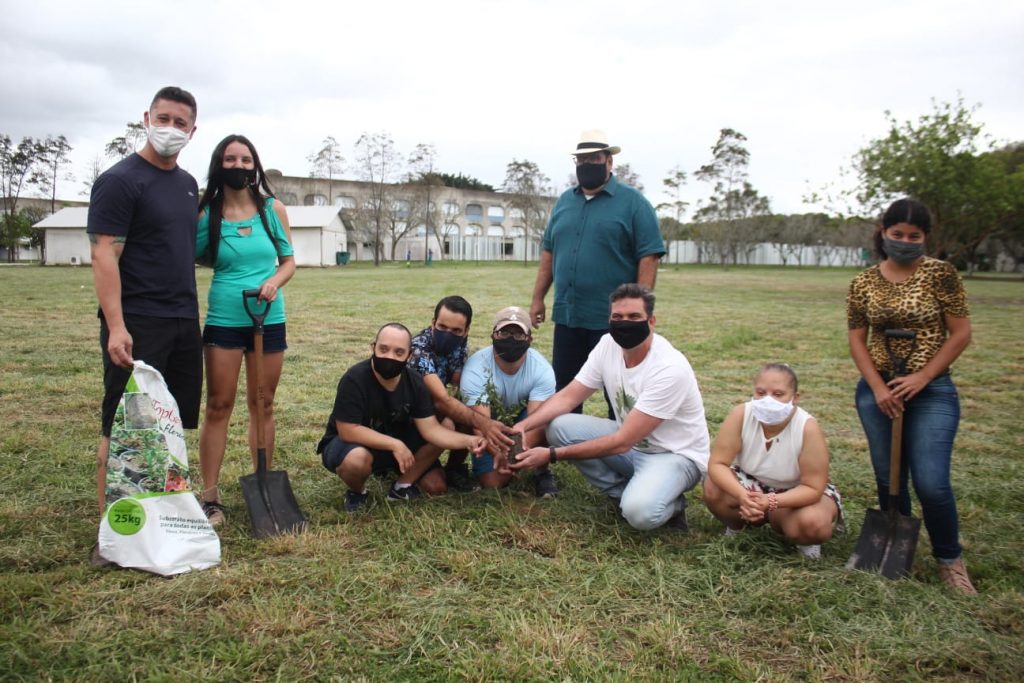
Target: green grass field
[{"x": 488, "y": 586}]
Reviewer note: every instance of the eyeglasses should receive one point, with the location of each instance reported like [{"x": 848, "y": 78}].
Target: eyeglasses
[
  {"x": 593, "y": 158},
  {"x": 518, "y": 335}
]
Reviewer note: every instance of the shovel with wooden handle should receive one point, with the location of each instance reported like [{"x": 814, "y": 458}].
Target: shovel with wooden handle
[
  {"x": 888, "y": 539},
  {"x": 268, "y": 495}
]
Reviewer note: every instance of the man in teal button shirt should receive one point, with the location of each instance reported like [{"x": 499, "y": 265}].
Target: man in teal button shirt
[{"x": 602, "y": 233}]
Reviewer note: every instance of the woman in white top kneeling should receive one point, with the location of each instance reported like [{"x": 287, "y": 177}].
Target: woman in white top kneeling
[{"x": 769, "y": 463}]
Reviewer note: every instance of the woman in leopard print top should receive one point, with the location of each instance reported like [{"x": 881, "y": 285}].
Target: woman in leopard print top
[{"x": 911, "y": 291}]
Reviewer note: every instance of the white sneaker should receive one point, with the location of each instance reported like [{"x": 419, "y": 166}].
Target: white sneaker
[
  {"x": 729, "y": 531},
  {"x": 811, "y": 552}
]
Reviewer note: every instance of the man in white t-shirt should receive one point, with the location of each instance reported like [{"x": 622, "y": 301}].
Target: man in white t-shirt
[{"x": 656, "y": 449}]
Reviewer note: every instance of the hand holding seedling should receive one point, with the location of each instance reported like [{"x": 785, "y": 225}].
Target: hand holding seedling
[
  {"x": 532, "y": 459},
  {"x": 494, "y": 433}
]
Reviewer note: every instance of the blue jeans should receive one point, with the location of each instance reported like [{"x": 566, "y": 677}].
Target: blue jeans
[
  {"x": 930, "y": 421},
  {"x": 649, "y": 486},
  {"x": 570, "y": 348}
]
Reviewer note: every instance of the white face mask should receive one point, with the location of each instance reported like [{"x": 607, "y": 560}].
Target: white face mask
[
  {"x": 770, "y": 411},
  {"x": 167, "y": 140}
]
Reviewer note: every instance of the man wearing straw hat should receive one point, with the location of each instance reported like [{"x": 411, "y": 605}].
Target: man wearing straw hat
[{"x": 601, "y": 234}]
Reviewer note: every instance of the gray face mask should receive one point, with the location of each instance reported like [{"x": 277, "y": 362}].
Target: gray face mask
[{"x": 902, "y": 252}]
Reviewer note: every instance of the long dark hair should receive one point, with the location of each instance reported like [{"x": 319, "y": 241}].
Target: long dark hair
[
  {"x": 909, "y": 211},
  {"x": 213, "y": 196}
]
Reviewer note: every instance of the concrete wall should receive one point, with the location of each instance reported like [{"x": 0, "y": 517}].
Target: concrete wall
[{"x": 67, "y": 246}]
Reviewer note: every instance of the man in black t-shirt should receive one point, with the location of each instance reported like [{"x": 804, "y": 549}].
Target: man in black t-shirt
[
  {"x": 383, "y": 420},
  {"x": 142, "y": 232}
]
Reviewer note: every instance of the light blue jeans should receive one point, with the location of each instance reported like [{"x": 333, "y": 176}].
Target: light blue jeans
[{"x": 650, "y": 486}]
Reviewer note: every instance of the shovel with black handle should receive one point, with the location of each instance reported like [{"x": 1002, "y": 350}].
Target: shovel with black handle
[
  {"x": 268, "y": 495},
  {"x": 888, "y": 539}
]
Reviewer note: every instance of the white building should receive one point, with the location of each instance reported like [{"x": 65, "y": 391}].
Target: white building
[
  {"x": 66, "y": 241},
  {"x": 318, "y": 235}
]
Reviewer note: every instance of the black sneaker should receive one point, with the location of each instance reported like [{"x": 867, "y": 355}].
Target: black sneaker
[
  {"x": 459, "y": 479},
  {"x": 408, "y": 493},
  {"x": 678, "y": 522},
  {"x": 544, "y": 484},
  {"x": 354, "y": 502}
]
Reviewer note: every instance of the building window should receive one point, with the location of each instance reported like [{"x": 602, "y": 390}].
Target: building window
[
  {"x": 474, "y": 213},
  {"x": 315, "y": 200},
  {"x": 507, "y": 247},
  {"x": 451, "y": 210},
  {"x": 345, "y": 202},
  {"x": 288, "y": 198},
  {"x": 495, "y": 215},
  {"x": 401, "y": 208}
]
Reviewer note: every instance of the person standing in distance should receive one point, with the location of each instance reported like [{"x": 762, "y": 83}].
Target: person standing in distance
[
  {"x": 602, "y": 233},
  {"x": 142, "y": 233}
]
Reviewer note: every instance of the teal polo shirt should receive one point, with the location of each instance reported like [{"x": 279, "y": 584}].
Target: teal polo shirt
[{"x": 595, "y": 246}]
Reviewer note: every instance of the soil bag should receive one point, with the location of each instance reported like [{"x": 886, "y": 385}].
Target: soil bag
[{"x": 153, "y": 521}]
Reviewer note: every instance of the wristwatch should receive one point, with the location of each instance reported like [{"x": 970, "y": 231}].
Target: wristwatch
[{"x": 551, "y": 454}]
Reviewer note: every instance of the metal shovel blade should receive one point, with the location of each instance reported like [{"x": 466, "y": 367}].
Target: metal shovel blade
[
  {"x": 887, "y": 544},
  {"x": 272, "y": 506}
]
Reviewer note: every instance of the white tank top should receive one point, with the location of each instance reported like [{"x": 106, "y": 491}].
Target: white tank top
[{"x": 778, "y": 467}]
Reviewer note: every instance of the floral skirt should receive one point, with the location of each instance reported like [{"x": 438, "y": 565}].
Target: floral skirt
[{"x": 752, "y": 484}]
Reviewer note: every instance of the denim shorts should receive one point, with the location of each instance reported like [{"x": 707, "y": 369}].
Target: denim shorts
[{"x": 274, "y": 337}]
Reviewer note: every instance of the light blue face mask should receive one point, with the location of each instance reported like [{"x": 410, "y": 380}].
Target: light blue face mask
[{"x": 902, "y": 252}]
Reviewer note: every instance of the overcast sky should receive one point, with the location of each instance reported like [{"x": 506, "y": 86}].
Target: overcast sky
[{"x": 486, "y": 81}]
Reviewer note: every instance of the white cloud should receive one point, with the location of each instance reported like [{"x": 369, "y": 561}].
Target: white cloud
[{"x": 492, "y": 80}]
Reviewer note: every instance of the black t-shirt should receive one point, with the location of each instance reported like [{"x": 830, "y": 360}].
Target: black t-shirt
[
  {"x": 362, "y": 400},
  {"x": 156, "y": 211}
]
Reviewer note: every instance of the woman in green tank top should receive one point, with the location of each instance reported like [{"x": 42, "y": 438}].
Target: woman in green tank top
[{"x": 245, "y": 237}]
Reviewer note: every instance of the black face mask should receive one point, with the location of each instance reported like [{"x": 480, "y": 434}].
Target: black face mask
[
  {"x": 388, "y": 368},
  {"x": 510, "y": 350},
  {"x": 237, "y": 178},
  {"x": 446, "y": 342},
  {"x": 592, "y": 176},
  {"x": 629, "y": 333}
]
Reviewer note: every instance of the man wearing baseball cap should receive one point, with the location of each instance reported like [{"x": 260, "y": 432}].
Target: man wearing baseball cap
[
  {"x": 509, "y": 380},
  {"x": 601, "y": 234}
]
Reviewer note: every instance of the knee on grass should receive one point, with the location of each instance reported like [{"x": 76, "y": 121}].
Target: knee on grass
[
  {"x": 644, "y": 514},
  {"x": 433, "y": 483}
]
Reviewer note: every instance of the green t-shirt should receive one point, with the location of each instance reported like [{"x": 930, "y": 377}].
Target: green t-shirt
[
  {"x": 596, "y": 245},
  {"x": 244, "y": 261}
]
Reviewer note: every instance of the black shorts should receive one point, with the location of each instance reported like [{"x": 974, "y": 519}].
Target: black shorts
[
  {"x": 335, "y": 450},
  {"x": 174, "y": 347},
  {"x": 274, "y": 338}
]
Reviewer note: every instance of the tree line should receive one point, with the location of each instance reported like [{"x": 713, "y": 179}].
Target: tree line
[
  {"x": 38, "y": 163},
  {"x": 974, "y": 187}
]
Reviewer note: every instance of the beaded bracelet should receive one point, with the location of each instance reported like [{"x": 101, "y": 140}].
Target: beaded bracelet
[{"x": 773, "y": 502}]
